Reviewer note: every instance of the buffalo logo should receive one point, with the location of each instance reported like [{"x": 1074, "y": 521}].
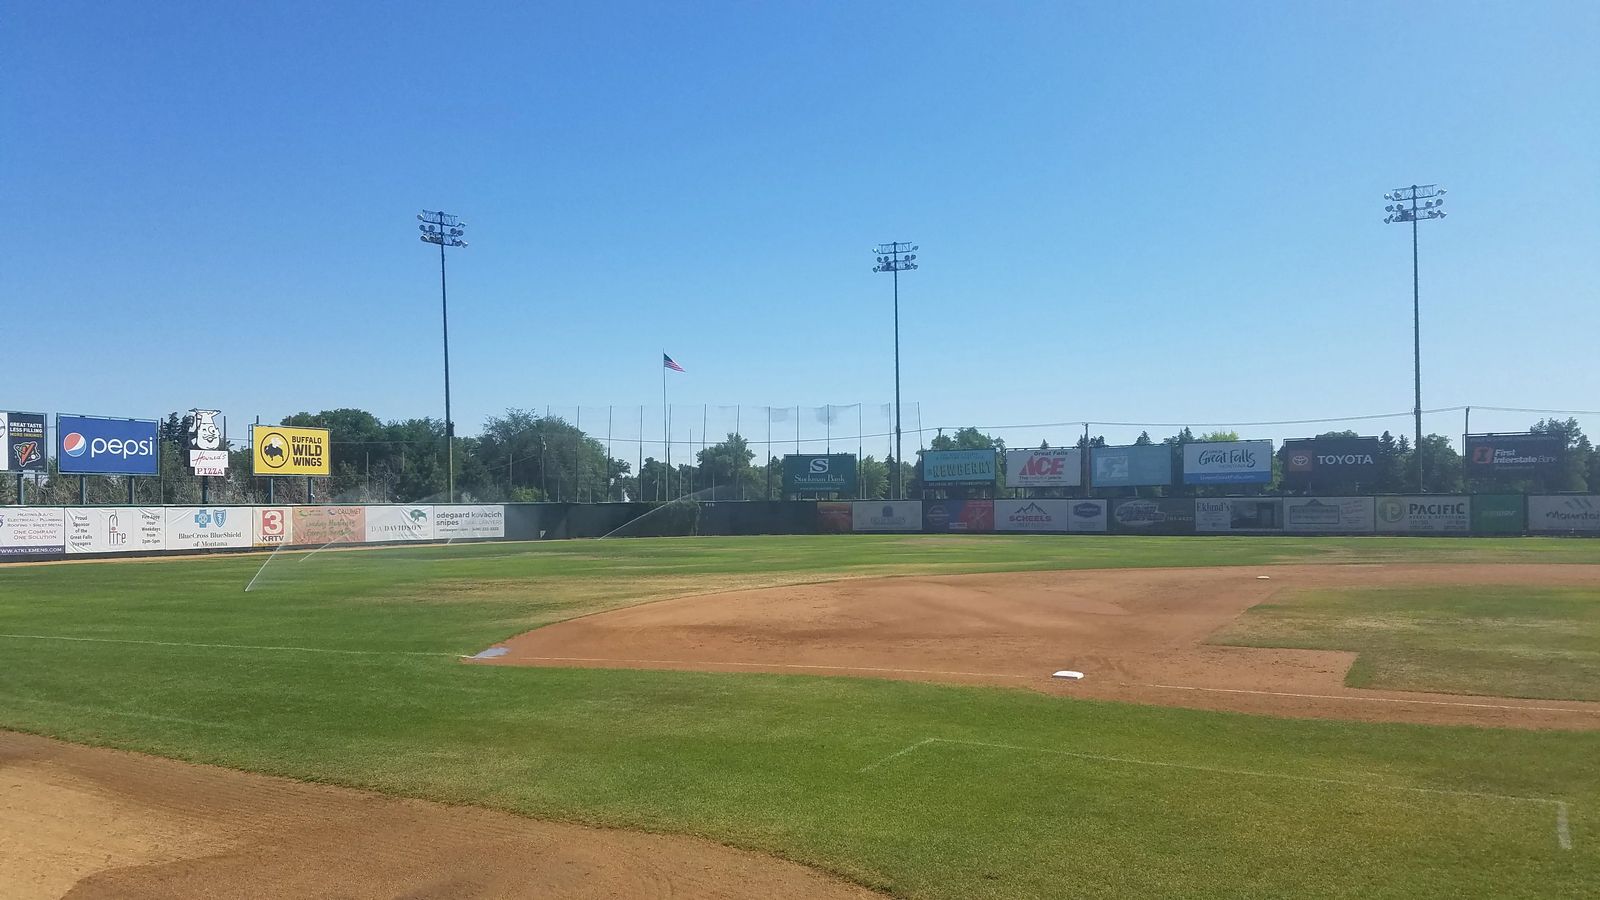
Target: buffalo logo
[
  {"x": 274, "y": 450},
  {"x": 74, "y": 444},
  {"x": 417, "y": 515},
  {"x": 25, "y": 452}
]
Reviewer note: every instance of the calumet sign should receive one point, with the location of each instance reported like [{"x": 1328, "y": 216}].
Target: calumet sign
[
  {"x": 90, "y": 445},
  {"x": 1227, "y": 462}
]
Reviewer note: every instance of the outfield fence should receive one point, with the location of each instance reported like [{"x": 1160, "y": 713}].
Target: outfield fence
[{"x": 57, "y": 532}]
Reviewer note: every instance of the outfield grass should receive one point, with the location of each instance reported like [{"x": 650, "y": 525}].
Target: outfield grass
[
  {"x": 1539, "y": 642},
  {"x": 997, "y": 808}
]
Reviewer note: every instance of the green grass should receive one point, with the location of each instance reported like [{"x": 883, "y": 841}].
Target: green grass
[
  {"x": 1541, "y": 642},
  {"x": 774, "y": 763}
]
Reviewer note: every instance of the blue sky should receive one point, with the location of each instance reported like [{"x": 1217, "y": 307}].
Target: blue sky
[{"x": 1166, "y": 212}]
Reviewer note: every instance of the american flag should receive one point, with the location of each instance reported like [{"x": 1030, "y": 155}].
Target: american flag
[{"x": 668, "y": 362}]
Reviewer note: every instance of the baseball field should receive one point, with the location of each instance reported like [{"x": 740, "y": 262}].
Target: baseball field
[{"x": 826, "y": 716}]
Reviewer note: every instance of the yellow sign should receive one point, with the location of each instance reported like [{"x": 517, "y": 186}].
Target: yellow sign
[{"x": 282, "y": 450}]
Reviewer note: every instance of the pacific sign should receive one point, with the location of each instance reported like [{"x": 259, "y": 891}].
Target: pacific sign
[
  {"x": 1049, "y": 467},
  {"x": 1227, "y": 462}
]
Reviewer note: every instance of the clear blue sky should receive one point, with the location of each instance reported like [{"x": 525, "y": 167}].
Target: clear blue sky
[{"x": 1166, "y": 212}]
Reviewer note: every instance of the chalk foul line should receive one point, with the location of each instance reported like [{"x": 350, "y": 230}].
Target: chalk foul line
[
  {"x": 747, "y": 665},
  {"x": 101, "y": 640},
  {"x": 1214, "y": 690},
  {"x": 1562, "y": 828}
]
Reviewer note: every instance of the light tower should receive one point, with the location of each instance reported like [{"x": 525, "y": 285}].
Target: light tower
[
  {"x": 1431, "y": 197},
  {"x": 896, "y": 257},
  {"x": 446, "y": 231}
]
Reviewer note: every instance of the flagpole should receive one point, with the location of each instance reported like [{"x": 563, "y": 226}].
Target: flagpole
[{"x": 666, "y": 423}]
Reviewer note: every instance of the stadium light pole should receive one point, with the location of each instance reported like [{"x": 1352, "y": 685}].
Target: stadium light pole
[
  {"x": 445, "y": 230},
  {"x": 1431, "y": 197},
  {"x": 897, "y": 257}
]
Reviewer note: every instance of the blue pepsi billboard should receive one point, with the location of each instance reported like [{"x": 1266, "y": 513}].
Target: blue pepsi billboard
[{"x": 90, "y": 445}]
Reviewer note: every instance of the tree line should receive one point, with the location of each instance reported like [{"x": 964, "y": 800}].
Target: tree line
[{"x": 521, "y": 456}]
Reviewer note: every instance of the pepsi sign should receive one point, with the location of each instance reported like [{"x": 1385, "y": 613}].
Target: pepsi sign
[{"x": 91, "y": 445}]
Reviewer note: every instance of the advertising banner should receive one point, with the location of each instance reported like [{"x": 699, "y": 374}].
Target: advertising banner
[
  {"x": 274, "y": 526},
  {"x": 1424, "y": 515},
  {"x": 886, "y": 515},
  {"x": 1238, "y": 515},
  {"x": 316, "y": 526},
  {"x": 1087, "y": 516},
  {"x": 1569, "y": 513},
  {"x": 1330, "y": 461},
  {"x": 282, "y": 450},
  {"x": 833, "y": 517},
  {"x": 1498, "y": 514},
  {"x": 399, "y": 523},
  {"x": 958, "y": 466},
  {"x": 22, "y": 442},
  {"x": 1032, "y": 515},
  {"x": 1136, "y": 466},
  {"x": 116, "y": 529},
  {"x": 1513, "y": 455},
  {"x": 1227, "y": 462},
  {"x": 32, "y": 532},
  {"x": 1170, "y": 516},
  {"x": 1054, "y": 467},
  {"x": 207, "y": 455},
  {"x": 209, "y": 527},
  {"x": 970, "y": 516},
  {"x": 832, "y": 473},
  {"x": 461, "y": 523},
  {"x": 1329, "y": 515},
  {"x": 89, "y": 445}
]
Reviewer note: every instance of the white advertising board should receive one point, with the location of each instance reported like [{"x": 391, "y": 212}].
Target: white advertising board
[
  {"x": 1227, "y": 462},
  {"x": 886, "y": 515},
  {"x": 1053, "y": 467},
  {"x": 1237, "y": 515},
  {"x": 1424, "y": 515},
  {"x": 32, "y": 531},
  {"x": 1574, "y": 512},
  {"x": 209, "y": 462},
  {"x": 209, "y": 527},
  {"x": 467, "y": 522},
  {"x": 115, "y": 529},
  {"x": 403, "y": 523},
  {"x": 1329, "y": 515},
  {"x": 273, "y": 526}
]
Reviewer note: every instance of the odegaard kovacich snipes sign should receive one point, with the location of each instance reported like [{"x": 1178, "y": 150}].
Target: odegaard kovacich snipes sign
[{"x": 1227, "y": 462}]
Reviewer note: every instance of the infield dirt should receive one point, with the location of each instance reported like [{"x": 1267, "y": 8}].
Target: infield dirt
[
  {"x": 86, "y": 823},
  {"x": 1137, "y": 634}
]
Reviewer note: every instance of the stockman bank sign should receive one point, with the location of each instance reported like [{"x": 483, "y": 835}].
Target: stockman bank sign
[
  {"x": 116, "y": 529},
  {"x": 90, "y": 445},
  {"x": 886, "y": 515},
  {"x": 1051, "y": 467},
  {"x": 1424, "y": 515},
  {"x": 22, "y": 442},
  {"x": 833, "y": 473},
  {"x": 958, "y": 466},
  {"x": 282, "y": 450},
  {"x": 1562, "y": 514},
  {"x": 1227, "y": 462}
]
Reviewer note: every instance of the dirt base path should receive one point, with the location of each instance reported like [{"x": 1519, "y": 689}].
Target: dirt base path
[
  {"x": 1137, "y": 634},
  {"x": 85, "y": 823}
]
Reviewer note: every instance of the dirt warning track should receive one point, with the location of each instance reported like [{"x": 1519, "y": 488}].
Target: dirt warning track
[
  {"x": 84, "y": 823},
  {"x": 1137, "y": 634}
]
